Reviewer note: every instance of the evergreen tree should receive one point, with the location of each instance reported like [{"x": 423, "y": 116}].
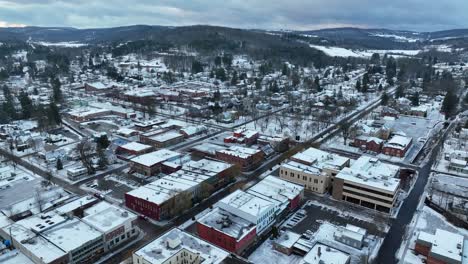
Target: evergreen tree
[
  {"x": 59, "y": 164},
  {"x": 102, "y": 142},
  {"x": 197, "y": 67},
  {"x": 317, "y": 83},
  {"x": 234, "y": 78},
  {"x": 358, "y": 85},
  {"x": 384, "y": 99},
  {"x": 390, "y": 68},
  {"x": 26, "y": 105},
  {"x": 221, "y": 74},
  {"x": 415, "y": 99},
  {"x": 285, "y": 71},
  {"x": 54, "y": 114},
  {"x": 400, "y": 92},
  {"x": 56, "y": 89},
  {"x": 449, "y": 104}
]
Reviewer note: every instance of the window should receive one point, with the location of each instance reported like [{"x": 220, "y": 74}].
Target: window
[{"x": 315, "y": 181}]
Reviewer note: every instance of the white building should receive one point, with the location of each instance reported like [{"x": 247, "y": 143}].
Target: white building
[
  {"x": 313, "y": 168},
  {"x": 176, "y": 247},
  {"x": 116, "y": 224},
  {"x": 368, "y": 182},
  {"x": 251, "y": 208}
]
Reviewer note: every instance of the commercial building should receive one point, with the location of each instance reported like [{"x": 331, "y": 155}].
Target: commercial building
[
  {"x": 443, "y": 247},
  {"x": 116, "y": 224},
  {"x": 397, "y": 146},
  {"x": 254, "y": 209},
  {"x": 226, "y": 230},
  {"x": 322, "y": 254},
  {"x": 163, "y": 198},
  {"x": 368, "y": 182},
  {"x": 372, "y": 144},
  {"x": 150, "y": 164},
  {"x": 162, "y": 139},
  {"x": 177, "y": 246},
  {"x": 313, "y": 168},
  {"x": 287, "y": 195},
  {"x": 56, "y": 239},
  {"x": 132, "y": 149},
  {"x": 246, "y": 158}
]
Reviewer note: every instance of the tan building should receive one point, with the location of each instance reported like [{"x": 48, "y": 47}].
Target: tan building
[
  {"x": 369, "y": 183},
  {"x": 313, "y": 168}
]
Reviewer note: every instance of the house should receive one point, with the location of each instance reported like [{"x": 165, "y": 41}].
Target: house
[
  {"x": 443, "y": 247},
  {"x": 397, "y": 146},
  {"x": 313, "y": 168},
  {"x": 178, "y": 246},
  {"x": 369, "y": 183},
  {"x": 388, "y": 111},
  {"x": 420, "y": 110},
  {"x": 191, "y": 131},
  {"x": 98, "y": 87}
]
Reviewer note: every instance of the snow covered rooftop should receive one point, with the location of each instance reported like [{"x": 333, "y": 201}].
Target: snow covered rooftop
[
  {"x": 106, "y": 217},
  {"x": 320, "y": 159},
  {"x": 445, "y": 244},
  {"x": 174, "y": 243},
  {"x": 58, "y": 235},
  {"x": 238, "y": 151},
  {"x": 166, "y": 136},
  {"x": 277, "y": 189},
  {"x": 135, "y": 146},
  {"x": 369, "y": 171},
  {"x": 399, "y": 142},
  {"x": 321, "y": 254},
  {"x": 69, "y": 207},
  {"x": 245, "y": 205},
  {"x": 209, "y": 148},
  {"x": 153, "y": 158},
  {"x": 227, "y": 223}
]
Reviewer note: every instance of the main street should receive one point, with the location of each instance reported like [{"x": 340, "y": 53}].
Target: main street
[{"x": 397, "y": 230}]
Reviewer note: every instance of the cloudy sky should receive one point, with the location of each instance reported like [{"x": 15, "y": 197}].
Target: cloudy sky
[{"x": 422, "y": 15}]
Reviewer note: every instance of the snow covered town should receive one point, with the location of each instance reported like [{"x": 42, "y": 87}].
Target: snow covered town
[{"x": 150, "y": 152}]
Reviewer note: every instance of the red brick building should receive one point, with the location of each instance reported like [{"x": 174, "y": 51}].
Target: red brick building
[
  {"x": 369, "y": 143},
  {"x": 397, "y": 146},
  {"x": 441, "y": 248},
  {"x": 226, "y": 230},
  {"x": 246, "y": 158}
]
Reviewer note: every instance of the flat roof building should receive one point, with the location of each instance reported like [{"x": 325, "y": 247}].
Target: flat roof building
[{"x": 368, "y": 182}]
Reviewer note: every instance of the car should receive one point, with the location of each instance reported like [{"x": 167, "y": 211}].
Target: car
[{"x": 143, "y": 217}]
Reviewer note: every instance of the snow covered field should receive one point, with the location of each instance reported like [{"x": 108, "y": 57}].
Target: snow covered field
[{"x": 343, "y": 52}]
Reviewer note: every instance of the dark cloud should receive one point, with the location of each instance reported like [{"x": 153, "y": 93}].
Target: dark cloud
[{"x": 269, "y": 14}]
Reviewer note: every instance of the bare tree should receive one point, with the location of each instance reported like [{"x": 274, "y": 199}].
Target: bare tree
[
  {"x": 85, "y": 150},
  {"x": 39, "y": 199}
]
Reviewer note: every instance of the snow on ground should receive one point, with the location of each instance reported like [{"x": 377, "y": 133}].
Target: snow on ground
[
  {"x": 397, "y": 37},
  {"x": 266, "y": 253},
  {"x": 343, "y": 52},
  {"x": 426, "y": 220},
  {"x": 61, "y": 44}
]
